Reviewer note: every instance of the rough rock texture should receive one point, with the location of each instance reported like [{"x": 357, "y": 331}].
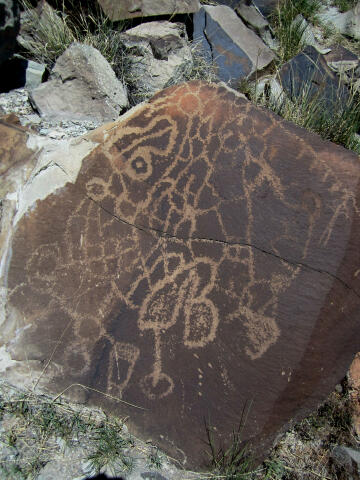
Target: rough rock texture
[
  {"x": 205, "y": 255},
  {"x": 158, "y": 56},
  {"x": 266, "y": 7},
  {"x": 116, "y": 10},
  {"x": 343, "y": 62},
  {"x": 235, "y": 49},
  {"x": 253, "y": 18},
  {"x": 9, "y": 27},
  {"x": 308, "y": 74},
  {"x": 338, "y": 53},
  {"x": 347, "y": 461},
  {"x": 83, "y": 87},
  {"x": 251, "y": 15},
  {"x": 346, "y": 23},
  {"x": 354, "y": 386}
]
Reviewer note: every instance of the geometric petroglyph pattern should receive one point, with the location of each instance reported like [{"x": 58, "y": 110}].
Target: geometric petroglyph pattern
[{"x": 205, "y": 256}]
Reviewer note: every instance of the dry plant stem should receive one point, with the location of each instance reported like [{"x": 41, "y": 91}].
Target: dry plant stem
[{"x": 97, "y": 391}]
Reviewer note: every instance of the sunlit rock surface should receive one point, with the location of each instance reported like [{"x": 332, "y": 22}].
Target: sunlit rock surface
[
  {"x": 144, "y": 8},
  {"x": 203, "y": 256}
]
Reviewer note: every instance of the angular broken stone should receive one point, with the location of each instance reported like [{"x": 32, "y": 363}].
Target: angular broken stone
[
  {"x": 308, "y": 76},
  {"x": 198, "y": 255},
  {"x": 341, "y": 60},
  {"x": 82, "y": 86},
  {"x": 347, "y": 23},
  {"x": 236, "y": 50},
  {"x": 116, "y": 10},
  {"x": 158, "y": 55},
  {"x": 253, "y": 18},
  {"x": 266, "y": 7}
]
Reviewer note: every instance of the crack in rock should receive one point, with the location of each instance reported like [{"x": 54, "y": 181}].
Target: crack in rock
[{"x": 162, "y": 233}]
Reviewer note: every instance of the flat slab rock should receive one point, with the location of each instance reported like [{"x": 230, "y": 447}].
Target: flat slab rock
[
  {"x": 235, "y": 50},
  {"x": 307, "y": 75},
  {"x": 204, "y": 257},
  {"x": 116, "y": 10}
]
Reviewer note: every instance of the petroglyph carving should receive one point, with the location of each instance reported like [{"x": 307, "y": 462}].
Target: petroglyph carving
[{"x": 200, "y": 237}]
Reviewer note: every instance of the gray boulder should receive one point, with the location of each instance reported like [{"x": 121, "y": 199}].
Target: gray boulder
[
  {"x": 116, "y": 10},
  {"x": 266, "y": 7},
  {"x": 346, "y": 23},
  {"x": 254, "y": 19},
  {"x": 158, "y": 56},
  {"x": 83, "y": 86},
  {"x": 347, "y": 461},
  {"x": 235, "y": 49},
  {"x": 9, "y": 27}
]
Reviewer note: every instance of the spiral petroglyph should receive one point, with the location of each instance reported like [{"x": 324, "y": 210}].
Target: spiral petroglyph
[{"x": 204, "y": 247}]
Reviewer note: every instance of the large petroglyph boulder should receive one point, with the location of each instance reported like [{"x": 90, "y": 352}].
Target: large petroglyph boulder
[{"x": 203, "y": 255}]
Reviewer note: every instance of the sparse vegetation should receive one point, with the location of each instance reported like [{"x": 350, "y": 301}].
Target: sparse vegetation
[
  {"x": 337, "y": 120},
  {"x": 41, "y": 424},
  {"x": 235, "y": 460},
  {"x": 109, "y": 451},
  {"x": 155, "y": 459},
  {"x": 344, "y": 5},
  {"x": 303, "y": 453},
  {"x": 290, "y": 33},
  {"x": 49, "y": 33},
  {"x": 201, "y": 69}
]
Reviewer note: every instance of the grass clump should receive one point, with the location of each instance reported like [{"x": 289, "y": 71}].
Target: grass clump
[
  {"x": 235, "y": 461},
  {"x": 35, "y": 427},
  {"x": 344, "y": 5},
  {"x": 109, "y": 451},
  {"x": 201, "y": 68},
  {"x": 155, "y": 459},
  {"x": 47, "y": 32},
  {"x": 290, "y": 33},
  {"x": 332, "y": 117}
]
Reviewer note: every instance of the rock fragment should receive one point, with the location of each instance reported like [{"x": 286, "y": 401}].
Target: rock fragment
[
  {"x": 308, "y": 76},
  {"x": 116, "y": 10},
  {"x": 82, "y": 86},
  {"x": 158, "y": 55},
  {"x": 235, "y": 49},
  {"x": 346, "y": 23}
]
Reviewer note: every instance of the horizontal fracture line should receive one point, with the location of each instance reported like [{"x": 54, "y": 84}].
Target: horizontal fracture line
[{"x": 223, "y": 242}]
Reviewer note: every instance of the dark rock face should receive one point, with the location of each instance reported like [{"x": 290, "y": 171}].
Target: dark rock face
[
  {"x": 308, "y": 74},
  {"x": 206, "y": 256},
  {"x": 236, "y": 50},
  {"x": 9, "y": 27}
]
